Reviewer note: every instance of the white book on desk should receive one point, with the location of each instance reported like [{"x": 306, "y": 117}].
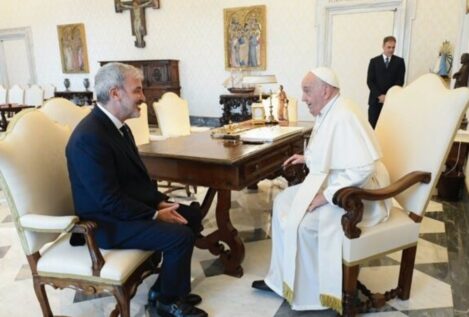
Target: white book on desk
[{"x": 268, "y": 133}]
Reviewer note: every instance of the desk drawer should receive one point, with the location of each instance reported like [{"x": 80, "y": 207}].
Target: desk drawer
[{"x": 269, "y": 163}]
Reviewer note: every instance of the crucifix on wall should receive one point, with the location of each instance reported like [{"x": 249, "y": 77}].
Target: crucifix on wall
[{"x": 137, "y": 16}]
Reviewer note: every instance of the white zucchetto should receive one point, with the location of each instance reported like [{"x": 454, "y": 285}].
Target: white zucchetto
[{"x": 327, "y": 75}]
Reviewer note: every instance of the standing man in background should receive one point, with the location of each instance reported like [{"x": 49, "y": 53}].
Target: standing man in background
[{"x": 384, "y": 71}]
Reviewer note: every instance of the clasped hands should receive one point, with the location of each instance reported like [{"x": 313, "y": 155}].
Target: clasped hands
[
  {"x": 166, "y": 212},
  {"x": 319, "y": 199}
]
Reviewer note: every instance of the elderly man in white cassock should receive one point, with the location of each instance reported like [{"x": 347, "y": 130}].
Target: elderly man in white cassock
[{"x": 306, "y": 262}]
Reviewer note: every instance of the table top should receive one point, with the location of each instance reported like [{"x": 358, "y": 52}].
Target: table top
[{"x": 203, "y": 148}]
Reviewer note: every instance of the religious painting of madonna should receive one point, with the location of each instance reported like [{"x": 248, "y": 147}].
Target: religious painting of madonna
[
  {"x": 73, "y": 52},
  {"x": 245, "y": 38}
]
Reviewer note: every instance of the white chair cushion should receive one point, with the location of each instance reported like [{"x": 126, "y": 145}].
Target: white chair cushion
[
  {"x": 396, "y": 233},
  {"x": 63, "y": 260}
]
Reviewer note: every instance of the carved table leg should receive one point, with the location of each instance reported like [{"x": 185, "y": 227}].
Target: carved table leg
[{"x": 233, "y": 257}]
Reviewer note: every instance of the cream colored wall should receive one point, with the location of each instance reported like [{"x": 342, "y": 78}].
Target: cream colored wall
[
  {"x": 192, "y": 32},
  {"x": 188, "y": 30},
  {"x": 435, "y": 21}
]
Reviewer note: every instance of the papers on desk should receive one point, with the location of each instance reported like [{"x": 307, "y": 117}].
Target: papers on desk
[{"x": 268, "y": 133}]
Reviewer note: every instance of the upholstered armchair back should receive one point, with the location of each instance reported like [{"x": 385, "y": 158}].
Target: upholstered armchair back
[
  {"x": 16, "y": 95},
  {"x": 34, "y": 96},
  {"x": 172, "y": 113},
  {"x": 35, "y": 185},
  {"x": 420, "y": 139},
  {"x": 64, "y": 111},
  {"x": 139, "y": 126},
  {"x": 3, "y": 95}
]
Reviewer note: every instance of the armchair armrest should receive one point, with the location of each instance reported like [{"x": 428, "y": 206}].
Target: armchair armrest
[
  {"x": 87, "y": 229},
  {"x": 45, "y": 223},
  {"x": 350, "y": 199}
]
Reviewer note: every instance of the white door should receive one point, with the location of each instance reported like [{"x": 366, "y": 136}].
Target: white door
[
  {"x": 356, "y": 38},
  {"x": 16, "y": 58}
]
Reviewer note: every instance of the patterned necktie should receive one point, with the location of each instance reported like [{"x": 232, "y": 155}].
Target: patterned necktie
[{"x": 386, "y": 62}]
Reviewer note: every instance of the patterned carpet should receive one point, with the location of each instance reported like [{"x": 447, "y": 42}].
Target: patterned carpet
[{"x": 440, "y": 283}]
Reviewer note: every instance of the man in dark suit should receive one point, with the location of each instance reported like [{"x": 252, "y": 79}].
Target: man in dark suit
[
  {"x": 111, "y": 186},
  {"x": 384, "y": 71}
]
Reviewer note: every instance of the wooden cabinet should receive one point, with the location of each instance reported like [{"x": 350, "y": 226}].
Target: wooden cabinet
[
  {"x": 160, "y": 76},
  {"x": 80, "y": 98}
]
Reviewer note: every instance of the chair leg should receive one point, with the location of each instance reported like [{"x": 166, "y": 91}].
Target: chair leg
[
  {"x": 350, "y": 277},
  {"x": 41, "y": 295},
  {"x": 406, "y": 272},
  {"x": 123, "y": 301}
]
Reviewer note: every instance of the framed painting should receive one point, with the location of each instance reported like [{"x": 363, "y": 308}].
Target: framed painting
[
  {"x": 245, "y": 38},
  {"x": 73, "y": 51}
]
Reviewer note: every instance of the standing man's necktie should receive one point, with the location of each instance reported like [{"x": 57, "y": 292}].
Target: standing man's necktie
[{"x": 386, "y": 62}]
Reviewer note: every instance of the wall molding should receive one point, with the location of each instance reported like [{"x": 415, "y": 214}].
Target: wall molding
[
  {"x": 326, "y": 9},
  {"x": 19, "y": 33}
]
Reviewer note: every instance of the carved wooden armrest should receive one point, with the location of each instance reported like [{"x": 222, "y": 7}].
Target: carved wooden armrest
[
  {"x": 87, "y": 229},
  {"x": 350, "y": 199},
  {"x": 295, "y": 174}
]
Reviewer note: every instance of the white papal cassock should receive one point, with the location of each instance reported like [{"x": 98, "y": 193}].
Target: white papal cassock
[{"x": 306, "y": 262}]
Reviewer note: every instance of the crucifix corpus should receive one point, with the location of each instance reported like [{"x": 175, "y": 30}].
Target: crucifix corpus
[{"x": 137, "y": 16}]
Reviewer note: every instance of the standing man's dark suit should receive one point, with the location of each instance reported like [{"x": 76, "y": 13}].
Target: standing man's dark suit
[
  {"x": 111, "y": 186},
  {"x": 380, "y": 78}
]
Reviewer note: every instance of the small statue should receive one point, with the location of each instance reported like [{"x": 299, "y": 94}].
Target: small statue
[
  {"x": 462, "y": 75},
  {"x": 282, "y": 100}
]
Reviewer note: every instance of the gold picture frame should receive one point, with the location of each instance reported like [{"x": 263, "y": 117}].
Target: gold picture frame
[
  {"x": 73, "y": 50},
  {"x": 245, "y": 38}
]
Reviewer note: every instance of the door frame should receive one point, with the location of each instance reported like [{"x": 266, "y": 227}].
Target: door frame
[
  {"x": 22, "y": 33},
  {"x": 327, "y": 9}
]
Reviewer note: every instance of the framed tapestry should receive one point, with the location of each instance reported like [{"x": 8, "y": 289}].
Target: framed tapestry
[
  {"x": 245, "y": 38},
  {"x": 73, "y": 51}
]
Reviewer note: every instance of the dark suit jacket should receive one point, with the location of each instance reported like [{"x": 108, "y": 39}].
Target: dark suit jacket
[
  {"x": 109, "y": 182},
  {"x": 380, "y": 78}
]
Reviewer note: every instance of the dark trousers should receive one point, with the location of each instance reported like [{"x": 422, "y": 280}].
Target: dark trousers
[
  {"x": 176, "y": 242},
  {"x": 373, "y": 113}
]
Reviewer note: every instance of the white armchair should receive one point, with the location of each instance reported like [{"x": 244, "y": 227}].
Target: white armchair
[
  {"x": 34, "y": 177},
  {"x": 16, "y": 95},
  {"x": 3, "y": 95},
  {"x": 34, "y": 96},
  {"x": 172, "y": 113},
  {"x": 49, "y": 91},
  {"x": 64, "y": 111},
  {"x": 415, "y": 130}
]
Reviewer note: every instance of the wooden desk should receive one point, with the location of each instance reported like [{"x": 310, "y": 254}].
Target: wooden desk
[
  {"x": 222, "y": 166},
  {"x": 9, "y": 108}
]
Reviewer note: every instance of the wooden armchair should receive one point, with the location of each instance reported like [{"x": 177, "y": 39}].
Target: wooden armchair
[
  {"x": 415, "y": 130},
  {"x": 34, "y": 177}
]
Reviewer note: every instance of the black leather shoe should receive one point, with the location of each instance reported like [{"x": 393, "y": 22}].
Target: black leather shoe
[
  {"x": 191, "y": 299},
  {"x": 260, "y": 285},
  {"x": 179, "y": 309}
]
